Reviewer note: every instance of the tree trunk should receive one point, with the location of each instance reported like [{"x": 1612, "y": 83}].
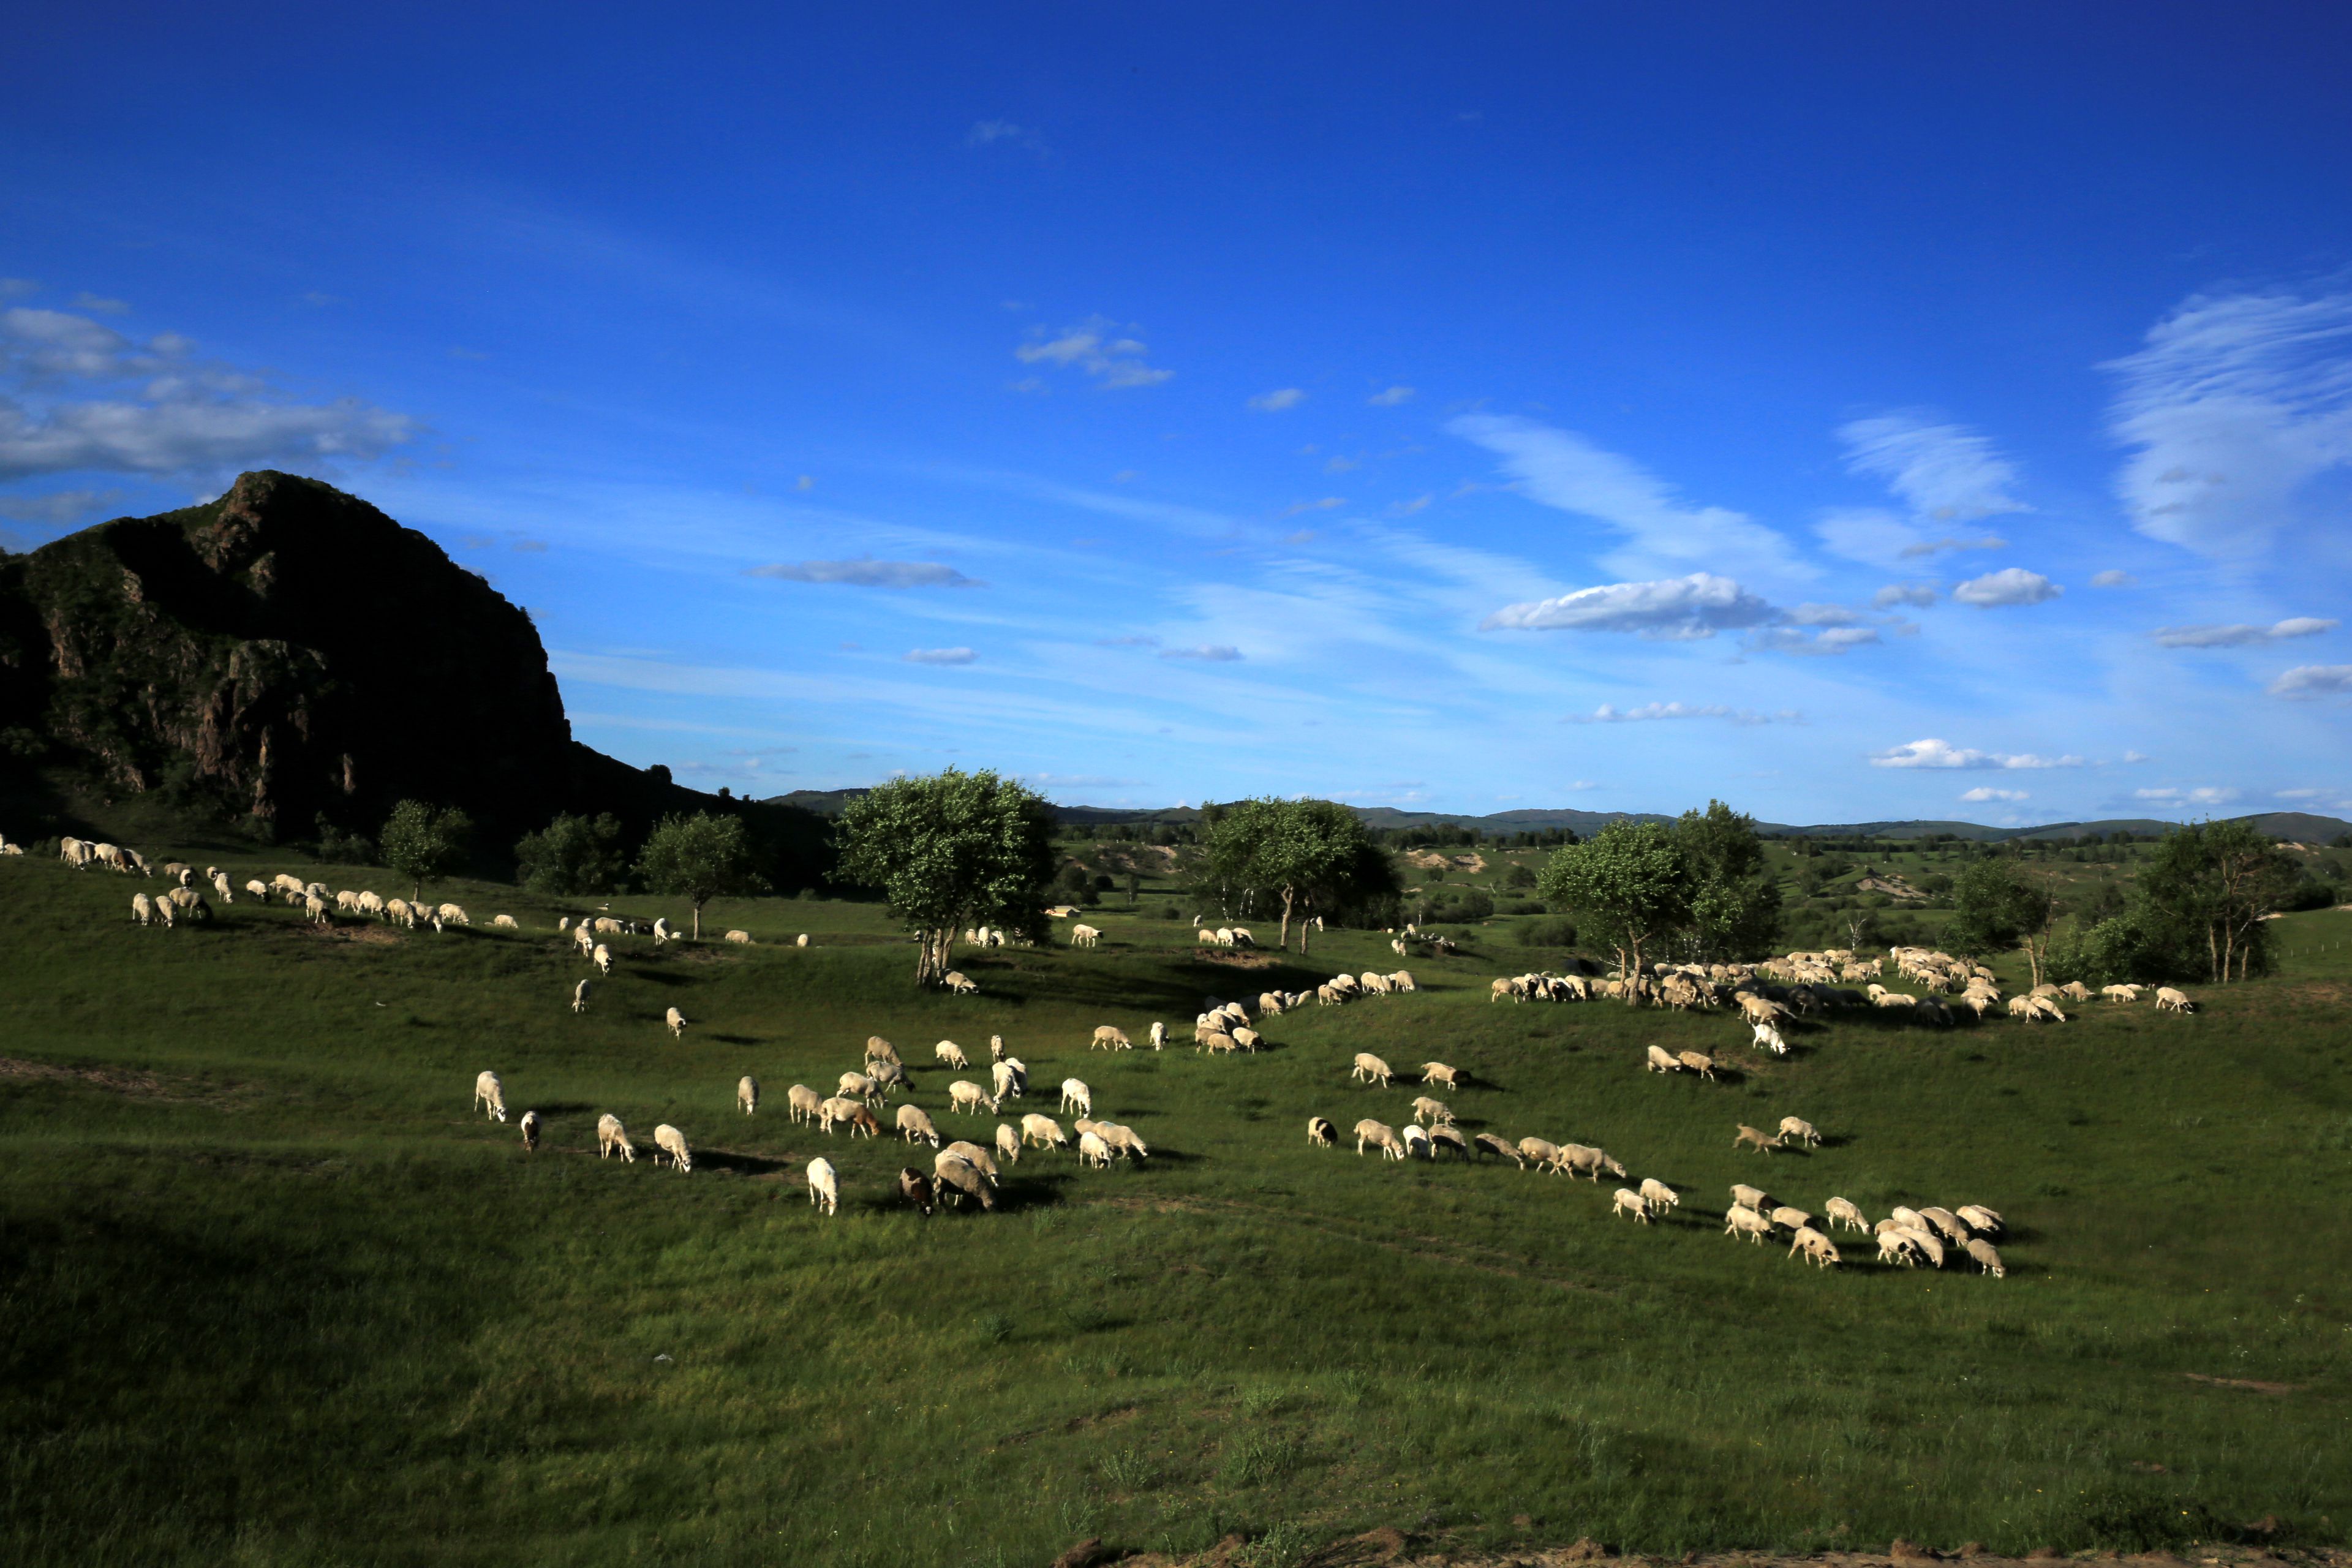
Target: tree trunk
[
  {"x": 929, "y": 966},
  {"x": 697, "y": 920},
  {"x": 1286, "y": 897}
]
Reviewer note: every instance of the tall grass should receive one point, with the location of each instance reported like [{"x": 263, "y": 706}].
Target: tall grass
[{"x": 270, "y": 1294}]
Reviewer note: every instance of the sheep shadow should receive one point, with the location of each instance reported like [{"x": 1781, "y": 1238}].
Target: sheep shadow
[
  {"x": 742, "y": 1164},
  {"x": 551, "y": 1109},
  {"x": 735, "y": 1039}
]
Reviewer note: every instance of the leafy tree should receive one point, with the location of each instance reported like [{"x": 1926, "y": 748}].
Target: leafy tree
[
  {"x": 1735, "y": 904},
  {"x": 573, "y": 855},
  {"x": 951, "y": 851},
  {"x": 698, "y": 859},
  {"x": 1315, "y": 856},
  {"x": 1519, "y": 875},
  {"x": 425, "y": 844},
  {"x": 2210, "y": 885},
  {"x": 1997, "y": 906},
  {"x": 1631, "y": 886}
]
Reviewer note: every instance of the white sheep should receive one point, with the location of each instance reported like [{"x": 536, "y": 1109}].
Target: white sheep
[
  {"x": 1381, "y": 1136},
  {"x": 676, "y": 1022},
  {"x": 1093, "y": 1151},
  {"x": 801, "y": 941},
  {"x": 1657, "y": 1194},
  {"x": 1107, "y": 1037},
  {"x": 1747, "y": 1222},
  {"x": 968, "y": 1097},
  {"x": 972, "y": 1154},
  {"x": 1770, "y": 1039},
  {"x": 498, "y": 922},
  {"x": 1158, "y": 1035},
  {"x": 490, "y": 1095},
  {"x": 261, "y": 890},
  {"x": 739, "y": 938},
  {"x": 823, "y": 1185},
  {"x": 801, "y": 1102},
  {"x": 1433, "y": 1111},
  {"x": 1416, "y": 1138},
  {"x": 950, "y": 1054},
  {"x": 612, "y": 1138},
  {"x": 530, "y": 1126},
  {"x": 746, "y": 1094},
  {"x": 1660, "y": 1059},
  {"x": 453, "y": 914},
  {"x": 580, "y": 997},
  {"x": 913, "y": 1122},
  {"x": 662, "y": 932},
  {"x": 222, "y": 886},
  {"x": 1370, "y": 1067},
  {"x": 1981, "y": 1218},
  {"x": 1043, "y": 1130},
  {"x": 960, "y": 985},
  {"x": 1438, "y": 1072},
  {"x": 1986, "y": 1255},
  {"x": 603, "y": 958},
  {"x": 1320, "y": 1132},
  {"x": 1007, "y": 1079},
  {"x": 1628, "y": 1201},
  {"x": 142, "y": 908},
  {"x": 1843, "y": 1212},
  {"x": 1008, "y": 1143},
  {"x": 1817, "y": 1248},
  {"x": 1084, "y": 936},
  {"x": 1076, "y": 1096},
  {"x": 2168, "y": 1000},
  {"x": 1800, "y": 1129}
]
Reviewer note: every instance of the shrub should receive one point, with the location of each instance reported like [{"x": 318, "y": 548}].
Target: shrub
[{"x": 1548, "y": 933}]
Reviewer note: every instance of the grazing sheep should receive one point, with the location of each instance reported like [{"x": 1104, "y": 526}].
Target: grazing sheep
[
  {"x": 1320, "y": 1132},
  {"x": 1416, "y": 1137},
  {"x": 1628, "y": 1201},
  {"x": 1084, "y": 936},
  {"x": 504, "y": 923},
  {"x": 453, "y": 914},
  {"x": 222, "y": 885},
  {"x": 261, "y": 890},
  {"x": 662, "y": 932},
  {"x": 916, "y": 1188},
  {"x": 1438, "y": 1072},
  {"x": 1370, "y": 1067},
  {"x": 142, "y": 908},
  {"x": 1217, "y": 1042},
  {"x": 1901, "y": 1216},
  {"x": 1248, "y": 1039},
  {"x": 1109, "y": 1038},
  {"x": 530, "y": 1131},
  {"x": 1747, "y": 1222},
  {"x": 1431, "y": 1111},
  {"x": 1987, "y": 1256},
  {"x": 1657, "y": 1194},
  {"x": 1580, "y": 1160},
  {"x": 959, "y": 985},
  {"x": 669, "y": 1141},
  {"x": 602, "y": 959},
  {"x": 612, "y": 1138},
  {"x": 801, "y": 941},
  {"x": 580, "y": 997},
  {"x": 1539, "y": 1153},
  {"x": 1043, "y": 1130},
  {"x": 1008, "y": 1143},
  {"x": 1158, "y": 1035},
  {"x": 1798, "y": 1128},
  {"x": 316, "y": 909},
  {"x": 803, "y": 1103},
  {"x": 1842, "y": 1213},
  {"x": 1919, "y": 1241},
  {"x": 981, "y": 1159},
  {"x": 1448, "y": 1136},
  {"x": 950, "y": 1054},
  {"x": 857, "y": 1085},
  {"x": 861, "y": 1119},
  {"x": 1699, "y": 1062},
  {"x": 1495, "y": 1145},
  {"x": 1747, "y": 1134},
  {"x": 1746, "y": 1196},
  {"x": 2168, "y": 1000},
  {"x": 1076, "y": 1096},
  {"x": 1403, "y": 980},
  {"x": 1093, "y": 1151},
  {"x": 2120, "y": 993},
  {"x": 1981, "y": 1218},
  {"x": 1381, "y": 1136},
  {"x": 1122, "y": 1139},
  {"x": 1817, "y": 1248},
  {"x": 969, "y": 1097},
  {"x": 1660, "y": 1059},
  {"x": 832, "y": 1110},
  {"x": 914, "y": 1122},
  {"x": 1893, "y": 1249},
  {"x": 1947, "y": 1225},
  {"x": 746, "y": 1094},
  {"x": 740, "y": 938},
  {"x": 879, "y": 1049},
  {"x": 824, "y": 1186},
  {"x": 676, "y": 1022},
  {"x": 1007, "y": 1081},
  {"x": 1791, "y": 1218},
  {"x": 1769, "y": 1039},
  {"x": 490, "y": 1096},
  {"x": 959, "y": 1179}
]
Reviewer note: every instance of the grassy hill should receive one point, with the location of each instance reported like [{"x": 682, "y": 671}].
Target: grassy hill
[{"x": 274, "y": 1295}]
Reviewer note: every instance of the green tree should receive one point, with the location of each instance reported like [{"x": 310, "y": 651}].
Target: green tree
[
  {"x": 1735, "y": 904},
  {"x": 1630, "y": 887},
  {"x": 949, "y": 851},
  {"x": 571, "y": 856},
  {"x": 424, "y": 844},
  {"x": 1315, "y": 856},
  {"x": 698, "y": 859},
  {"x": 2210, "y": 885},
  {"x": 1996, "y": 906}
]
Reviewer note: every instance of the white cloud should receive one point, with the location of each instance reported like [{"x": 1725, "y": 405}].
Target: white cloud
[
  {"x": 1933, "y": 753},
  {"x": 17, "y": 288},
  {"x": 1390, "y": 398},
  {"x": 1649, "y": 711},
  {"x": 1676, "y": 608},
  {"x": 1213, "y": 653},
  {"x": 1280, "y": 398},
  {"x": 2011, "y": 585},
  {"x": 1560, "y": 469},
  {"x": 939, "y": 656},
  {"x": 2208, "y": 795},
  {"x": 2135, "y": 756},
  {"x": 990, "y": 132},
  {"x": 92, "y": 302},
  {"x": 2314, "y": 680},
  {"x": 1946, "y": 472},
  {"x": 1788, "y": 639},
  {"x": 1097, "y": 347},
  {"x": 1983, "y": 792},
  {"x": 1822, "y": 615},
  {"x": 868, "y": 572},
  {"x": 2241, "y": 635},
  {"x": 57, "y": 508},
  {"x": 2236, "y": 403},
  {"x": 2297, "y": 794},
  {"x": 1139, "y": 640},
  {"x": 78, "y": 396},
  {"x": 2113, "y": 579},
  {"x": 1917, "y": 595},
  {"x": 1328, "y": 503}
]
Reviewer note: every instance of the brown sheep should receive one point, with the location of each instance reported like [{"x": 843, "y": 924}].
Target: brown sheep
[
  {"x": 916, "y": 1188},
  {"x": 1747, "y": 1134}
]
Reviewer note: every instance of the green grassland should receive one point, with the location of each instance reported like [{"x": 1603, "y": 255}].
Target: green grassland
[{"x": 270, "y": 1293}]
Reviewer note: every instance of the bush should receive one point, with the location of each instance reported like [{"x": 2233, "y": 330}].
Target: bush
[{"x": 1548, "y": 933}]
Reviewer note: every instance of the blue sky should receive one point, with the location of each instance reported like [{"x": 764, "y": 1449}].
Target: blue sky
[{"x": 1842, "y": 410}]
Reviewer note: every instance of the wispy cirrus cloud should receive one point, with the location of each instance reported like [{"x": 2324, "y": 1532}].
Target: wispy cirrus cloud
[
  {"x": 939, "y": 656},
  {"x": 1673, "y": 608},
  {"x": 2205, "y": 794},
  {"x": 1651, "y": 713},
  {"x": 1983, "y": 792},
  {"x": 1563, "y": 469},
  {"x": 1097, "y": 345},
  {"x": 1919, "y": 595},
  {"x": 1209, "y": 653},
  {"x": 2241, "y": 635},
  {"x": 868, "y": 572},
  {"x": 1946, "y": 472},
  {"x": 1934, "y": 753},
  {"x": 1797, "y": 640},
  {"x": 1280, "y": 398},
  {"x": 2235, "y": 405},
  {"x": 1390, "y": 398}
]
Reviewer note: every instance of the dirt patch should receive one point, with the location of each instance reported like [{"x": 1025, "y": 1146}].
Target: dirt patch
[
  {"x": 372, "y": 936},
  {"x": 1430, "y": 860},
  {"x": 1233, "y": 960},
  {"x": 2258, "y": 1387},
  {"x": 1387, "y": 1546},
  {"x": 1893, "y": 886},
  {"x": 119, "y": 1079}
]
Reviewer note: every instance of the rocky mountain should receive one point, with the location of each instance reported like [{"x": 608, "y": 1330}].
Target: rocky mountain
[{"x": 286, "y": 653}]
